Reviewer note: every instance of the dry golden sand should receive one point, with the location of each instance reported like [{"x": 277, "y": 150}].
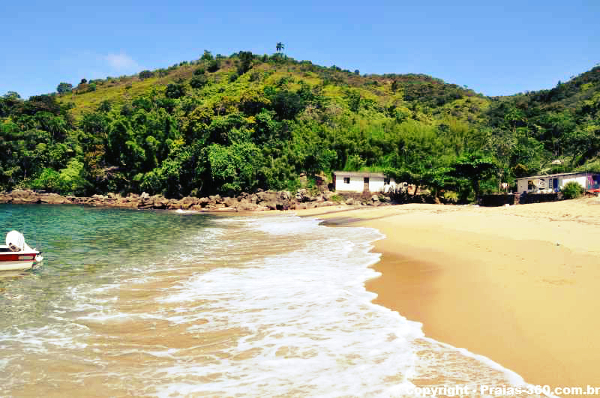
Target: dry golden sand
[{"x": 518, "y": 284}]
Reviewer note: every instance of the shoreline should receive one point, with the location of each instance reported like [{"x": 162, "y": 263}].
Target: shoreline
[{"x": 515, "y": 284}]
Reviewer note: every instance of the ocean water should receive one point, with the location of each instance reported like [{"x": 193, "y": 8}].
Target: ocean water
[{"x": 143, "y": 303}]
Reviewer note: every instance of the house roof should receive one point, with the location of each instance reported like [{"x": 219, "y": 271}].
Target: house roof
[
  {"x": 357, "y": 174},
  {"x": 556, "y": 175}
]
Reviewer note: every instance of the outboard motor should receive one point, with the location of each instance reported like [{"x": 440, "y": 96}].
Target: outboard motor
[{"x": 15, "y": 241}]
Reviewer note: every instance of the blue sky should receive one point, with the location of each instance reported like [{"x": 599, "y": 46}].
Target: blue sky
[{"x": 495, "y": 48}]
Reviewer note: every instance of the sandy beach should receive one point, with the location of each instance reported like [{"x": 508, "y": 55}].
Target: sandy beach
[{"x": 517, "y": 284}]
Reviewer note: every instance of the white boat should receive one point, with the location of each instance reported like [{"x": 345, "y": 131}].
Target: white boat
[{"x": 16, "y": 254}]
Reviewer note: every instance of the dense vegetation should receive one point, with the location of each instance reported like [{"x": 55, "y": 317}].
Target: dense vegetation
[{"x": 239, "y": 123}]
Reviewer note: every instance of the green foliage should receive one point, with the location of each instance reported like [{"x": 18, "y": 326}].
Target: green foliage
[
  {"x": 474, "y": 167},
  {"x": 572, "y": 190},
  {"x": 214, "y": 65},
  {"x": 236, "y": 167},
  {"x": 249, "y": 126},
  {"x": 69, "y": 181},
  {"x": 207, "y": 56},
  {"x": 198, "y": 81},
  {"x": 64, "y": 88},
  {"x": 175, "y": 90},
  {"x": 145, "y": 74},
  {"x": 246, "y": 59}
]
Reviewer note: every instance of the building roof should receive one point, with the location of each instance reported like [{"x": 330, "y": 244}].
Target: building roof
[
  {"x": 357, "y": 174},
  {"x": 556, "y": 175}
]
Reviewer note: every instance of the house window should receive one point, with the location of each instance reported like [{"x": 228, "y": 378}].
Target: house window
[
  {"x": 366, "y": 180},
  {"x": 346, "y": 180},
  {"x": 386, "y": 181}
]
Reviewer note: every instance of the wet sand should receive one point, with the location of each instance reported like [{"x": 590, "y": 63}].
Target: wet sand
[{"x": 518, "y": 284}]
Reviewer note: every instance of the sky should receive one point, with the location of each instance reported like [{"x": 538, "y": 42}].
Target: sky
[{"x": 495, "y": 48}]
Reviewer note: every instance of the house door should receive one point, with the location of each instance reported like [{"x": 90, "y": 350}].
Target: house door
[
  {"x": 366, "y": 187},
  {"x": 555, "y": 184}
]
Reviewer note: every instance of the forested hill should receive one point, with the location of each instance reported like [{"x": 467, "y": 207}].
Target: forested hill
[{"x": 239, "y": 123}]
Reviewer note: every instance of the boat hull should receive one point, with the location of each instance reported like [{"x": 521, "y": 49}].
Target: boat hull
[{"x": 17, "y": 261}]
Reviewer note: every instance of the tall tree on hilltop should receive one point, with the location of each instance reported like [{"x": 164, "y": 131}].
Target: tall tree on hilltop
[{"x": 279, "y": 47}]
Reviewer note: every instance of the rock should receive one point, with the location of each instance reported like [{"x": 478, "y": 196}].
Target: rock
[
  {"x": 160, "y": 202},
  {"x": 302, "y": 196},
  {"x": 145, "y": 195},
  {"x": 328, "y": 195},
  {"x": 173, "y": 204},
  {"x": 375, "y": 198},
  {"x": 53, "y": 199},
  {"x": 349, "y": 201},
  {"x": 230, "y": 202},
  {"x": 21, "y": 193},
  {"x": 247, "y": 206},
  {"x": 188, "y": 202},
  {"x": 215, "y": 199},
  {"x": 203, "y": 202}
]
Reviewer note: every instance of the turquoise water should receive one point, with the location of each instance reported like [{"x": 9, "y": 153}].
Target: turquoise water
[
  {"x": 82, "y": 246},
  {"x": 145, "y": 303}
]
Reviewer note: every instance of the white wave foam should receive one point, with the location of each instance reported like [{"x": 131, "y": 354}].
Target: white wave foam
[{"x": 311, "y": 325}]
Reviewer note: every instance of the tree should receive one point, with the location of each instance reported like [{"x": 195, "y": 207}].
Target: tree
[
  {"x": 64, "y": 88},
  {"x": 175, "y": 91},
  {"x": 279, "y": 46},
  {"x": 246, "y": 59},
  {"x": 145, "y": 74},
  {"x": 207, "y": 56},
  {"x": 214, "y": 65},
  {"x": 12, "y": 95},
  {"x": 198, "y": 81},
  {"x": 474, "y": 167}
]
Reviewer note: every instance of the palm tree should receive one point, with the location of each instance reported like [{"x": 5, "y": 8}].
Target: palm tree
[{"x": 279, "y": 46}]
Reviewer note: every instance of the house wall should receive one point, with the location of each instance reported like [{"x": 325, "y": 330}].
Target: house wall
[
  {"x": 581, "y": 179},
  {"x": 356, "y": 184},
  {"x": 376, "y": 184}
]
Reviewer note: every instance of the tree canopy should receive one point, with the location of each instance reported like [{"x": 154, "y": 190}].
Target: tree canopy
[{"x": 239, "y": 123}]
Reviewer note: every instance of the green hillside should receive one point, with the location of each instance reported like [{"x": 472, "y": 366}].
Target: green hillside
[{"x": 239, "y": 123}]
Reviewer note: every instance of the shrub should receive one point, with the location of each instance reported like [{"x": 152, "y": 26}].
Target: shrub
[
  {"x": 254, "y": 76},
  {"x": 174, "y": 91},
  {"x": 198, "y": 81},
  {"x": 64, "y": 88},
  {"x": 145, "y": 74},
  {"x": 337, "y": 198},
  {"x": 214, "y": 65},
  {"x": 199, "y": 71},
  {"x": 572, "y": 190}
]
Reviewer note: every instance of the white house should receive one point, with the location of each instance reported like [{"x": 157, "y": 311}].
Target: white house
[
  {"x": 349, "y": 181},
  {"x": 555, "y": 182}
]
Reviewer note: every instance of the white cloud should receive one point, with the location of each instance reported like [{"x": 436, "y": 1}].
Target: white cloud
[{"x": 122, "y": 63}]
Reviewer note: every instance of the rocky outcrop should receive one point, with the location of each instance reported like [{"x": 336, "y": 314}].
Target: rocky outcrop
[{"x": 258, "y": 201}]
